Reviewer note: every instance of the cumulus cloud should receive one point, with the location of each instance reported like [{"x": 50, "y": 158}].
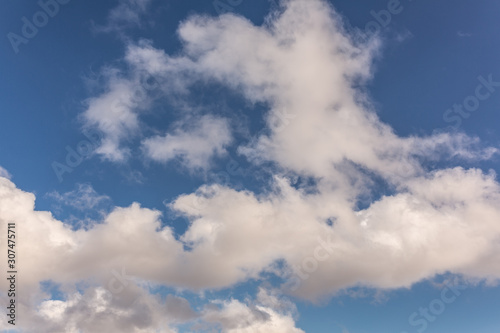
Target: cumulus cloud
[
  {"x": 232, "y": 316},
  {"x": 203, "y": 138},
  {"x": 114, "y": 113},
  {"x": 97, "y": 310},
  {"x": 422, "y": 229},
  {"x": 116, "y": 263},
  {"x": 306, "y": 67},
  {"x": 235, "y": 235},
  {"x": 322, "y": 129}
]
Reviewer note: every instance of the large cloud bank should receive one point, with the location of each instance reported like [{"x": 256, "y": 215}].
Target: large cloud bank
[{"x": 307, "y": 68}]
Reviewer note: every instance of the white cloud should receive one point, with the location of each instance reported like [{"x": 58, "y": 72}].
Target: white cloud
[
  {"x": 236, "y": 235},
  {"x": 422, "y": 229},
  {"x": 135, "y": 311},
  {"x": 305, "y": 66},
  {"x": 235, "y": 317},
  {"x": 98, "y": 310},
  {"x": 194, "y": 142},
  {"x": 127, "y": 93},
  {"x": 114, "y": 113},
  {"x": 304, "y": 62}
]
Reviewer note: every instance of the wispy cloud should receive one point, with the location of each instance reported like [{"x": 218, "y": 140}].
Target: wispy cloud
[
  {"x": 464, "y": 34},
  {"x": 128, "y": 14},
  {"x": 4, "y": 173},
  {"x": 84, "y": 197}
]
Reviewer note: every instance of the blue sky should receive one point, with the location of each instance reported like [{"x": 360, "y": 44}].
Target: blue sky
[{"x": 208, "y": 149}]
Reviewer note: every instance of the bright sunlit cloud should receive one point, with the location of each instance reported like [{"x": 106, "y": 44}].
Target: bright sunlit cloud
[{"x": 342, "y": 201}]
